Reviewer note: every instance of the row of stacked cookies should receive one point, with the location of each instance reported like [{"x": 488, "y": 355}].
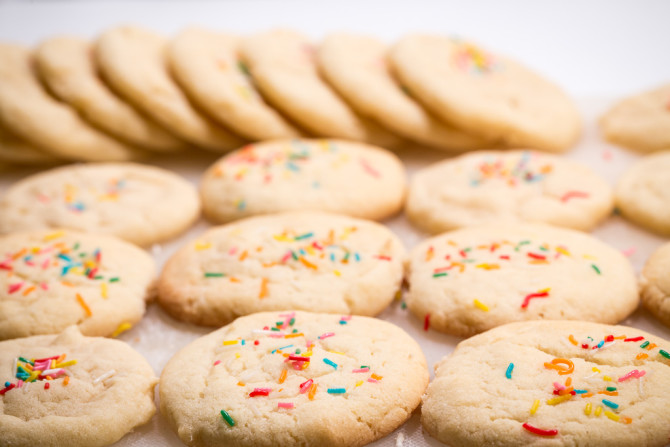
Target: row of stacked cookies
[{"x": 131, "y": 92}]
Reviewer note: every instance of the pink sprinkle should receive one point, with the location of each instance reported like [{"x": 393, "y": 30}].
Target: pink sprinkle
[
  {"x": 286, "y": 405},
  {"x": 634, "y": 373},
  {"x": 345, "y": 317},
  {"x": 629, "y": 252},
  {"x": 6, "y": 265},
  {"x": 326, "y": 335},
  {"x": 607, "y": 155},
  {"x": 361, "y": 370},
  {"x": 30, "y": 263},
  {"x": 217, "y": 362},
  {"x": 15, "y": 287},
  {"x": 286, "y": 257},
  {"x": 573, "y": 195},
  {"x": 558, "y": 386},
  {"x": 19, "y": 384},
  {"x": 44, "y": 286},
  {"x": 309, "y": 343},
  {"x": 232, "y": 251},
  {"x": 371, "y": 380},
  {"x": 298, "y": 365},
  {"x": 304, "y": 387},
  {"x": 369, "y": 169},
  {"x": 45, "y": 264}
]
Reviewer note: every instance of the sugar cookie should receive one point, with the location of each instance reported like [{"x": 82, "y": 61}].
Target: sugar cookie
[
  {"x": 72, "y": 390},
  {"x": 506, "y": 187},
  {"x": 206, "y": 65},
  {"x": 50, "y": 280},
  {"x": 292, "y": 175},
  {"x": 552, "y": 383},
  {"x": 311, "y": 261},
  {"x": 139, "y": 203},
  {"x": 133, "y": 61},
  {"x": 489, "y": 95},
  {"x": 655, "y": 284},
  {"x": 14, "y": 149},
  {"x": 471, "y": 280},
  {"x": 294, "y": 378}
]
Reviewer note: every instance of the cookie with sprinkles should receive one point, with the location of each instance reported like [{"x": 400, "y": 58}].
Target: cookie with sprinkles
[
  {"x": 50, "y": 280},
  {"x": 642, "y": 194},
  {"x": 470, "y": 280},
  {"x": 294, "y": 378},
  {"x": 507, "y": 187},
  {"x": 310, "y": 261},
  {"x": 294, "y": 175},
  {"x": 640, "y": 122},
  {"x": 486, "y": 94},
  {"x": 655, "y": 284},
  {"x": 142, "y": 204},
  {"x": 72, "y": 390},
  {"x": 552, "y": 383}
]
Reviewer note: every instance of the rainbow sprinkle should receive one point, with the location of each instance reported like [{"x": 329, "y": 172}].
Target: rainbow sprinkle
[{"x": 38, "y": 370}]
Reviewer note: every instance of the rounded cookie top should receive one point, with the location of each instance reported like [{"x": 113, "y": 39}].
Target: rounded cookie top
[
  {"x": 133, "y": 61},
  {"x": 207, "y": 66},
  {"x": 552, "y": 383},
  {"x": 50, "y": 280},
  {"x": 292, "y": 175},
  {"x": 15, "y": 149},
  {"x": 66, "y": 64},
  {"x": 655, "y": 284},
  {"x": 28, "y": 111},
  {"x": 640, "y": 122},
  {"x": 139, "y": 203},
  {"x": 283, "y": 67},
  {"x": 311, "y": 261},
  {"x": 356, "y": 66},
  {"x": 487, "y": 94},
  {"x": 507, "y": 187},
  {"x": 294, "y": 378},
  {"x": 471, "y": 280},
  {"x": 72, "y": 390},
  {"x": 642, "y": 194}
]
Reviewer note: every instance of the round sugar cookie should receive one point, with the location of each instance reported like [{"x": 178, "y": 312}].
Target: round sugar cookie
[
  {"x": 50, "y": 280},
  {"x": 655, "y": 284},
  {"x": 82, "y": 391},
  {"x": 546, "y": 383},
  {"x": 14, "y": 149},
  {"x": 357, "y": 68},
  {"x": 642, "y": 194},
  {"x": 470, "y": 280},
  {"x": 206, "y": 65},
  {"x": 311, "y": 261},
  {"x": 283, "y": 67},
  {"x": 293, "y": 175},
  {"x": 486, "y": 94},
  {"x": 141, "y": 204},
  {"x": 506, "y": 187},
  {"x": 133, "y": 61},
  {"x": 293, "y": 378},
  {"x": 66, "y": 65},
  {"x": 640, "y": 122},
  {"x": 27, "y": 111}
]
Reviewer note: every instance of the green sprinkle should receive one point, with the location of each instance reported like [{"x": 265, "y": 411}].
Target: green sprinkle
[
  {"x": 644, "y": 345},
  {"x": 25, "y": 360},
  {"x": 294, "y": 331},
  {"x": 611, "y": 388},
  {"x": 543, "y": 248},
  {"x": 76, "y": 246},
  {"x": 403, "y": 305},
  {"x": 595, "y": 267},
  {"x": 303, "y": 236},
  {"x": 292, "y": 322},
  {"x": 274, "y": 329},
  {"x": 115, "y": 279},
  {"x": 214, "y": 275},
  {"x": 227, "y": 418},
  {"x": 337, "y": 390},
  {"x": 518, "y": 246},
  {"x": 467, "y": 249},
  {"x": 294, "y": 256},
  {"x": 97, "y": 277},
  {"x": 243, "y": 68},
  {"x": 81, "y": 255},
  {"x": 279, "y": 323},
  {"x": 297, "y": 351},
  {"x": 664, "y": 354},
  {"x": 437, "y": 275},
  {"x": 364, "y": 366}
]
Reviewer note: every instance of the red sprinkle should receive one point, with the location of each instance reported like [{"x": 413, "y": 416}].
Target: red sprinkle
[
  {"x": 3, "y": 391},
  {"x": 539, "y": 431},
  {"x": 256, "y": 342},
  {"x": 609, "y": 338},
  {"x": 573, "y": 195},
  {"x": 634, "y": 339},
  {"x": 298, "y": 358},
  {"x": 530, "y": 296},
  {"x": 46, "y": 386},
  {"x": 536, "y": 256},
  {"x": 504, "y": 257},
  {"x": 383, "y": 258},
  {"x": 426, "y": 322},
  {"x": 260, "y": 392}
]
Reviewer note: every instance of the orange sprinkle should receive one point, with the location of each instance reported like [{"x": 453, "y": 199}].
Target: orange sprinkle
[
  {"x": 312, "y": 391},
  {"x": 568, "y": 382},
  {"x": 626, "y": 420},
  {"x": 620, "y": 337},
  {"x": 641, "y": 356},
  {"x": 28, "y": 290},
  {"x": 609, "y": 393},
  {"x": 572, "y": 340},
  {"x": 430, "y": 253},
  {"x": 282, "y": 376},
  {"x": 648, "y": 348},
  {"x": 240, "y": 383},
  {"x": 264, "y": 288},
  {"x": 299, "y": 334},
  {"x": 562, "y": 370},
  {"x": 306, "y": 263},
  {"x": 376, "y": 377},
  {"x": 20, "y": 253},
  {"x": 66, "y": 380},
  {"x": 83, "y": 304},
  {"x": 587, "y": 395},
  {"x": 61, "y": 359},
  {"x": 66, "y": 283},
  {"x": 233, "y": 279},
  {"x": 243, "y": 256}
]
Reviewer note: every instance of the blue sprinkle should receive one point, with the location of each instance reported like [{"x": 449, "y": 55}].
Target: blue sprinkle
[
  {"x": 284, "y": 347},
  {"x": 610, "y": 404},
  {"x": 292, "y": 166},
  {"x": 343, "y": 322},
  {"x": 581, "y": 391},
  {"x": 332, "y": 257},
  {"x": 302, "y": 252},
  {"x": 65, "y": 257},
  {"x": 508, "y": 373},
  {"x": 243, "y": 342},
  {"x": 337, "y": 390},
  {"x": 357, "y": 256},
  {"x": 600, "y": 345},
  {"x": 65, "y": 269},
  {"x": 330, "y": 362},
  {"x": 241, "y": 205},
  {"x": 7, "y": 384}
]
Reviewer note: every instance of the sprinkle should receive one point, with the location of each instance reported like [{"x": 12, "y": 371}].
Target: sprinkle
[
  {"x": 641, "y": 356},
  {"x": 260, "y": 391},
  {"x": 282, "y": 376},
  {"x": 199, "y": 245},
  {"x": 607, "y": 378},
  {"x": 308, "y": 264},
  {"x": 369, "y": 169},
  {"x": 568, "y": 369},
  {"x": 105, "y": 376},
  {"x": 541, "y": 294},
  {"x": 229, "y": 342},
  {"x": 46, "y": 386},
  {"x": 587, "y": 409},
  {"x": 539, "y": 431},
  {"x": 634, "y": 339},
  {"x": 285, "y": 405},
  {"x": 115, "y": 279},
  {"x": 15, "y": 287},
  {"x": 574, "y": 195},
  {"x": 123, "y": 327},
  {"x": 610, "y": 404},
  {"x": 55, "y": 235},
  {"x": 480, "y": 305},
  {"x": 327, "y": 361},
  {"x": 595, "y": 267},
  {"x": 559, "y": 399},
  {"x": 361, "y": 370},
  {"x": 438, "y": 275},
  {"x": 613, "y": 416},
  {"x": 598, "y": 410},
  {"x": 303, "y": 236},
  {"x": 305, "y": 386},
  {"x": 535, "y": 406},
  {"x": 83, "y": 304},
  {"x": 312, "y": 391},
  {"x": 226, "y": 417},
  {"x": 264, "y": 288},
  {"x": 214, "y": 275},
  {"x": 634, "y": 373},
  {"x": 664, "y": 354},
  {"x": 66, "y": 380},
  {"x": 572, "y": 340},
  {"x": 510, "y": 368},
  {"x": 337, "y": 390},
  {"x": 426, "y": 322}
]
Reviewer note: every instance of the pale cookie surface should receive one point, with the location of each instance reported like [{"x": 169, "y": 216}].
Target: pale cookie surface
[
  {"x": 316, "y": 175},
  {"x": 95, "y": 391},
  {"x": 133, "y": 60},
  {"x": 641, "y": 122},
  {"x": 655, "y": 284},
  {"x": 507, "y": 187},
  {"x": 283, "y": 66},
  {"x": 66, "y": 65},
  {"x": 29, "y": 112},
  {"x": 642, "y": 194},
  {"x": 486, "y": 94},
  {"x": 294, "y": 378},
  {"x": 14, "y": 149},
  {"x": 552, "y": 383},
  {"x": 471, "y": 280},
  {"x": 50, "y": 280},
  {"x": 356, "y": 66},
  {"x": 311, "y": 261},
  {"x": 139, "y": 203},
  {"x": 207, "y": 66}
]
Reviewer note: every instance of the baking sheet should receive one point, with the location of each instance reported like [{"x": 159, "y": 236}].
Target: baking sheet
[{"x": 158, "y": 336}]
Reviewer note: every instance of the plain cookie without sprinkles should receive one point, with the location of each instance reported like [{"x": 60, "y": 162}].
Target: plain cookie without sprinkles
[{"x": 655, "y": 284}]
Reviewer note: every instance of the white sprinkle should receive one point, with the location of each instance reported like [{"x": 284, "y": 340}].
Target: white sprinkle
[
  {"x": 639, "y": 387},
  {"x": 105, "y": 376},
  {"x": 400, "y": 440},
  {"x": 25, "y": 386},
  {"x": 588, "y": 377}
]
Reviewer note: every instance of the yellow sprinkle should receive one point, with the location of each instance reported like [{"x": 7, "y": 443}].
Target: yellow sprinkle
[
  {"x": 594, "y": 369},
  {"x": 33, "y": 376},
  {"x": 563, "y": 251},
  {"x": 607, "y": 378},
  {"x": 237, "y": 355},
  {"x": 482, "y": 306},
  {"x": 337, "y": 272},
  {"x": 488, "y": 266},
  {"x": 593, "y": 258},
  {"x": 281, "y": 238},
  {"x": 614, "y": 417},
  {"x": 229, "y": 342},
  {"x": 55, "y": 235},
  {"x": 309, "y": 249},
  {"x": 359, "y": 383},
  {"x": 535, "y": 406},
  {"x": 202, "y": 245},
  {"x": 103, "y": 290},
  {"x": 307, "y": 354},
  {"x": 559, "y": 399},
  {"x": 587, "y": 409},
  {"x": 548, "y": 289},
  {"x": 599, "y": 410},
  {"x": 123, "y": 327}
]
